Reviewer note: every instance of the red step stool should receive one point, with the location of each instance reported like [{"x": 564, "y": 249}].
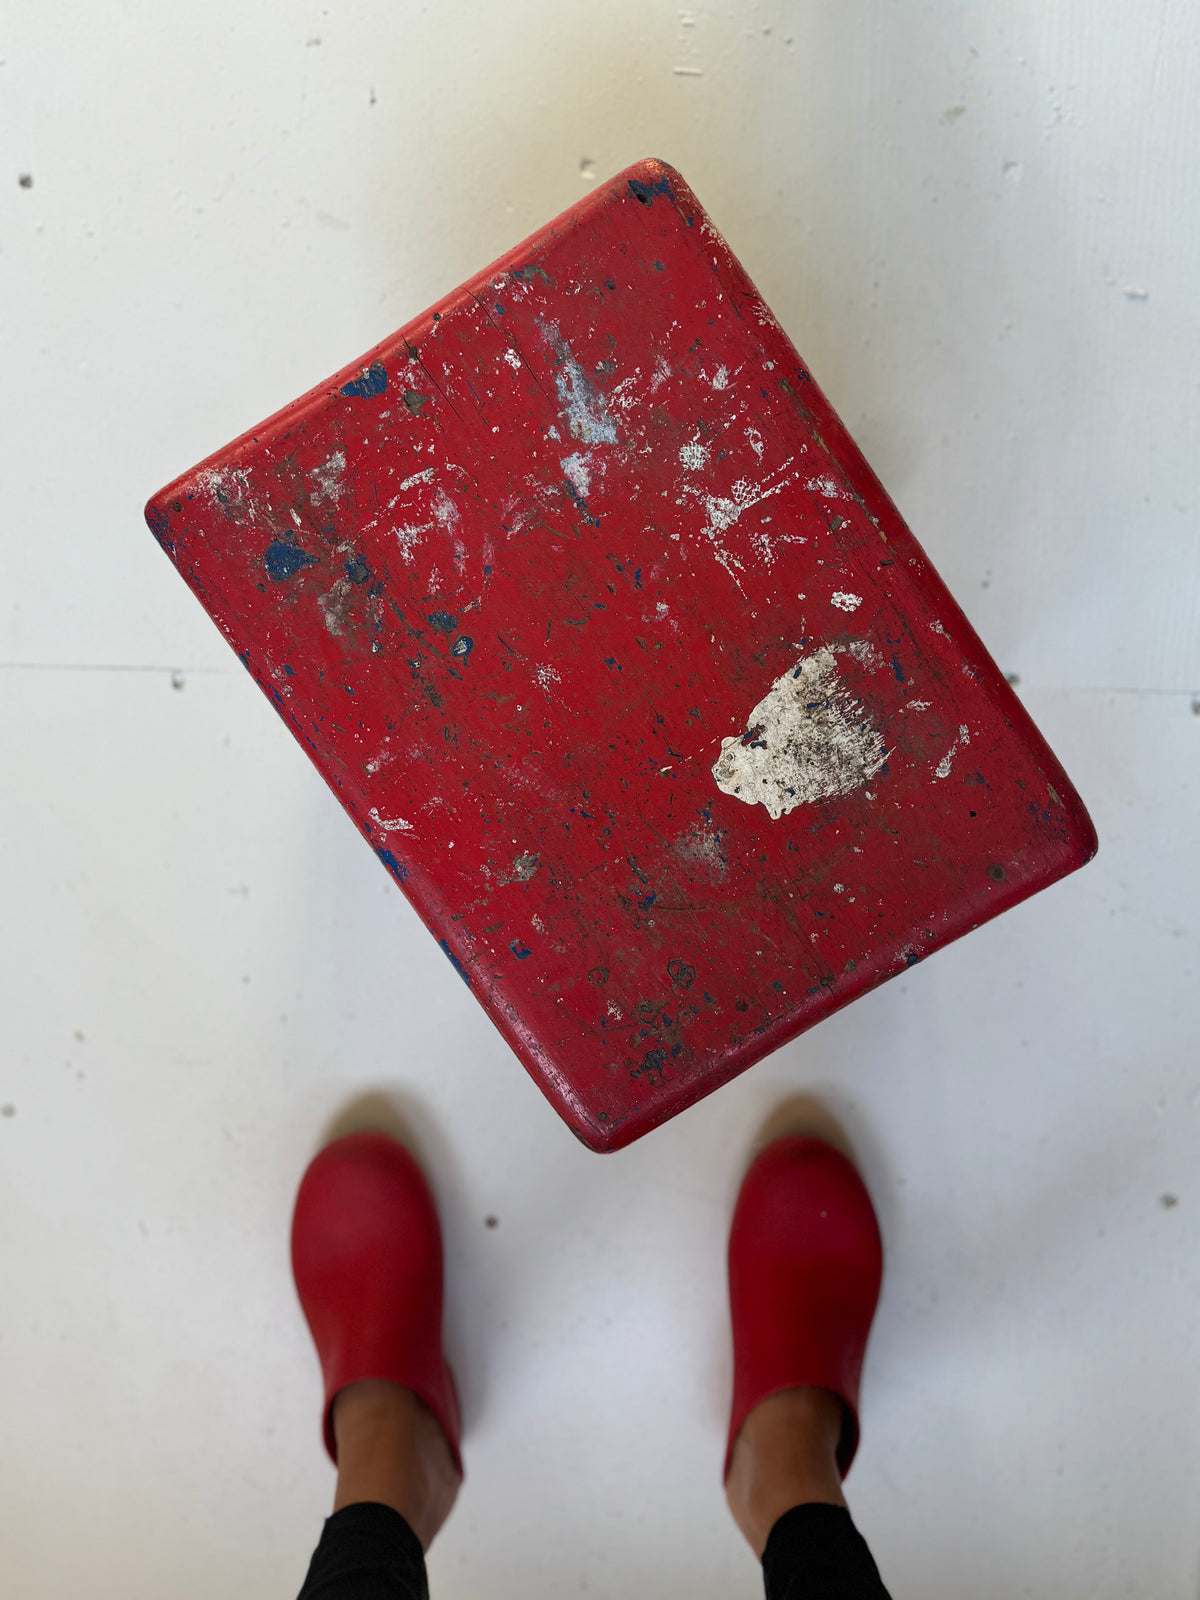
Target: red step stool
[{"x": 588, "y": 608}]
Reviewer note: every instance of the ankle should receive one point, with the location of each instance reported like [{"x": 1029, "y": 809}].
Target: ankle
[
  {"x": 785, "y": 1455},
  {"x": 362, "y": 1408},
  {"x": 392, "y": 1452}
]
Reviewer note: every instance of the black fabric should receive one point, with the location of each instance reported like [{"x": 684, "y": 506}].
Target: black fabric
[
  {"x": 815, "y": 1552},
  {"x": 367, "y": 1552}
]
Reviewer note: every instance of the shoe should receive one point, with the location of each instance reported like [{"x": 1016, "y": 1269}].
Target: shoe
[
  {"x": 805, "y": 1267},
  {"x": 367, "y": 1259}
]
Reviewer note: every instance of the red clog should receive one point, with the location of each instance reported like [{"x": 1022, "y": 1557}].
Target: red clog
[
  {"x": 367, "y": 1259},
  {"x": 805, "y": 1267}
]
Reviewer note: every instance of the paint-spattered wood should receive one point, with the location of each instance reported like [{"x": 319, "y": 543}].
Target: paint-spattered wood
[{"x": 520, "y": 580}]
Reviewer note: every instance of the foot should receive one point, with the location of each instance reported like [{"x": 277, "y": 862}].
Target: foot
[
  {"x": 367, "y": 1258},
  {"x": 805, "y": 1264},
  {"x": 785, "y": 1455},
  {"x": 391, "y": 1450}
]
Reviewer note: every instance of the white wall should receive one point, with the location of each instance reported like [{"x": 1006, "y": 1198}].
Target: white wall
[{"x": 979, "y": 223}]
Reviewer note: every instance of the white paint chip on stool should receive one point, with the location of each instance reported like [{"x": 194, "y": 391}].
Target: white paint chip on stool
[
  {"x": 577, "y": 469},
  {"x": 943, "y": 767},
  {"x": 807, "y": 739}
]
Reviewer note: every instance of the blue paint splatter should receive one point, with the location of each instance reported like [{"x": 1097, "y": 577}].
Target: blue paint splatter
[
  {"x": 645, "y": 192},
  {"x": 528, "y": 274},
  {"x": 520, "y": 949},
  {"x": 357, "y": 570},
  {"x": 897, "y": 668},
  {"x": 160, "y": 527},
  {"x": 462, "y": 647},
  {"x": 581, "y": 504},
  {"x": 455, "y": 962},
  {"x": 442, "y": 620},
  {"x": 373, "y": 382},
  {"x": 652, "y": 1066},
  {"x": 284, "y": 560},
  {"x": 397, "y": 868}
]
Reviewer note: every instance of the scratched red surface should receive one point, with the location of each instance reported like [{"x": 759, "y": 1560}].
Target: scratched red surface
[{"x": 513, "y": 577}]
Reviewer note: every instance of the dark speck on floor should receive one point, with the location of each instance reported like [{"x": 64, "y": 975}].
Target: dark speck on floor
[
  {"x": 8, "y": 1111},
  {"x": 491, "y": 1222},
  {"x": 26, "y": 180},
  {"x": 1168, "y": 1201}
]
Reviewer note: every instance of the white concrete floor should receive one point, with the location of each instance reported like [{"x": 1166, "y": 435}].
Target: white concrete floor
[{"x": 979, "y": 222}]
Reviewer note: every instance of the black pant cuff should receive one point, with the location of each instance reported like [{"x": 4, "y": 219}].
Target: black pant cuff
[
  {"x": 814, "y": 1552},
  {"x": 367, "y": 1552}
]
